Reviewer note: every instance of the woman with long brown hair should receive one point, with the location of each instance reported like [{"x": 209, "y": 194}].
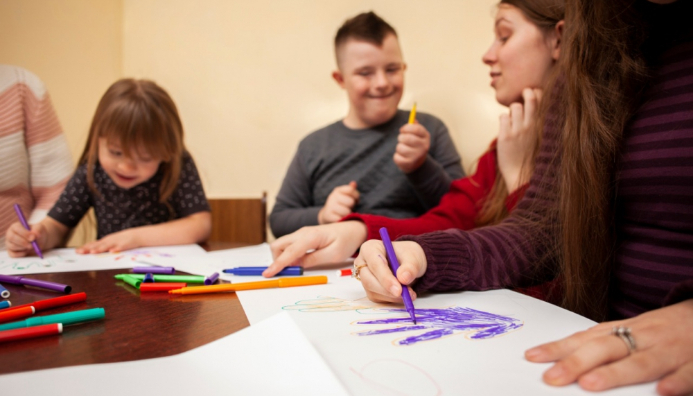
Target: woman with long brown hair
[
  {"x": 522, "y": 59},
  {"x": 609, "y": 207}
]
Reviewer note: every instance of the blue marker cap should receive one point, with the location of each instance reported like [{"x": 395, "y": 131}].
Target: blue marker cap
[
  {"x": 148, "y": 278},
  {"x": 5, "y": 304},
  {"x": 4, "y": 293}
]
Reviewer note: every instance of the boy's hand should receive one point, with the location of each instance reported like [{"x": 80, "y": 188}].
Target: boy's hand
[
  {"x": 516, "y": 139},
  {"x": 114, "y": 243},
  {"x": 376, "y": 275},
  {"x": 412, "y": 147},
  {"x": 339, "y": 203},
  {"x": 18, "y": 239}
]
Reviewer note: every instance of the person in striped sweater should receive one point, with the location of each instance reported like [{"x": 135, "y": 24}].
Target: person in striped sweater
[
  {"x": 35, "y": 160},
  {"x": 609, "y": 206}
]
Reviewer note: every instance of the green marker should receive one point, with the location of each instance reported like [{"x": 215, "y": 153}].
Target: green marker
[
  {"x": 131, "y": 280},
  {"x": 67, "y": 318},
  {"x": 167, "y": 278}
]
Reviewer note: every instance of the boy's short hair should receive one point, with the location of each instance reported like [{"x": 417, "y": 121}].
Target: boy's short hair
[{"x": 367, "y": 27}]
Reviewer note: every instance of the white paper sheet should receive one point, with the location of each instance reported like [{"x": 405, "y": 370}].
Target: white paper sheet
[
  {"x": 455, "y": 364},
  {"x": 271, "y": 357},
  {"x": 67, "y": 260}
]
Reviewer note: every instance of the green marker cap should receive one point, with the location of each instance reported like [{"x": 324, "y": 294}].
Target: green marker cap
[
  {"x": 132, "y": 281},
  {"x": 66, "y": 318}
]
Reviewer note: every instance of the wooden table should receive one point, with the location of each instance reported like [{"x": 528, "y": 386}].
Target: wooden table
[{"x": 137, "y": 326}]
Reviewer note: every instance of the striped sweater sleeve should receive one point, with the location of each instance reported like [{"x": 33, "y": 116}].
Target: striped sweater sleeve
[{"x": 510, "y": 254}]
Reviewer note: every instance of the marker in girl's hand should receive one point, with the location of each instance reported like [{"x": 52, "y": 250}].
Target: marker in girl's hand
[{"x": 22, "y": 220}]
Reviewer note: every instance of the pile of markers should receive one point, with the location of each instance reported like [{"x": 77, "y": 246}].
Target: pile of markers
[
  {"x": 162, "y": 279},
  {"x": 39, "y": 326}
]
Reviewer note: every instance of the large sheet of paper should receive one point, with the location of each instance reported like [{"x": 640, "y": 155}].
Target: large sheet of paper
[
  {"x": 67, "y": 260},
  {"x": 467, "y": 343},
  {"x": 270, "y": 358}
]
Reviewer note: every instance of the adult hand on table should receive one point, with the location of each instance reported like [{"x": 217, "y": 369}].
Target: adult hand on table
[
  {"x": 375, "y": 273},
  {"x": 599, "y": 360},
  {"x": 328, "y": 243}
]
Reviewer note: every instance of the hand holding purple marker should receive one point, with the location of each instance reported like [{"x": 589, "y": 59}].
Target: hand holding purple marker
[
  {"x": 22, "y": 220},
  {"x": 394, "y": 266}
]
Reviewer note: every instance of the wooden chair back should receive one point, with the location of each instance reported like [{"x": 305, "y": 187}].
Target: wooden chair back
[{"x": 239, "y": 220}]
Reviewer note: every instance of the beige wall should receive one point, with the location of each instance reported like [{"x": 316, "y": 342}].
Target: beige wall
[{"x": 250, "y": 78}]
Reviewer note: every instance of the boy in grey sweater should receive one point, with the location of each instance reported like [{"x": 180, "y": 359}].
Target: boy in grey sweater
[{"x": 372, "y": 161}]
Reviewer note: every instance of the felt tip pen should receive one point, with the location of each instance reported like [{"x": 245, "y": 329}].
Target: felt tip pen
[
  {"x": 345, "y": 272},
  {"x": 257, "y": 271},
  {"x": 5, "y": 304},
  {"x": 211, "y": 278},
  {"x": 17, "y": 313},
  {"x": 394, "y": 266},
  {"x": 160, "y": 287},
  {"x": 412, "y": 114},
  {"x": 4, "y": 293},
  {"x": 132, "y": 281},
  {"x": 66, "y": 318},
  {"x": 167, "y": 278},
  {"x": 154, "y": 270},
  {"x": 42, "y": 305},
  {"x": 22, "y": 220},
  {"x": 228, "y": 287},
  {"x": 148, "y": 278},
  {"x": 31, "y": 332},
  {"x": 20, "y": 280}
]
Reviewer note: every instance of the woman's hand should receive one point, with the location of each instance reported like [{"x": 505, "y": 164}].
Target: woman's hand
[
  {"x": 311, "y": 246},
  {"x": 375, "y": 273},
  {"x": 113, "y": 243},
  {"x": 599, "y": 360},
  {"x": 516, "y": 139}
]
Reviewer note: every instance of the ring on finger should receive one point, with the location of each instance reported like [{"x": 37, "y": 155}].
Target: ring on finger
[
  {"x": 624, "y": 333},
  {"x": 357, "y": 268}
]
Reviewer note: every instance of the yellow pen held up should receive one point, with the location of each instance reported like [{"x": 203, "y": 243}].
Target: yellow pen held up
[
  {"x": 229, "y": 287},
  {"x": 412, "y": 114}
]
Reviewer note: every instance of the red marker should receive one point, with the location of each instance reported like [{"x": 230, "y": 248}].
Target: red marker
[
  {"x": 160, "y": 287},
  {"x": 31, "y": 332},
  {"x": 8, "y": 315},
  {"x": 43, "y": 305},
  {"x": 344, "y": 272}
]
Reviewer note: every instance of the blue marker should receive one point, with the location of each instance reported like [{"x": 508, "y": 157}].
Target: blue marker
[
  {"x": 257, "y": 271},
  {"x": 5, "y": 304},
  {"x": 4, "y": 293}
]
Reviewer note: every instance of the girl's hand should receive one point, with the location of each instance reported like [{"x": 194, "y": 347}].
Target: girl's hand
[
  {"x": 329, "y": 243},
  {"x": 376, "y": 275},
  {"x": 113, "y": 243},
  {"x": 516, "y": 139},
  {"x": 598, "y": 360},
  {"x": 339, "y": 203},
  {"x": 18, "y": 239},
  {"x": 413, "y": 143}
]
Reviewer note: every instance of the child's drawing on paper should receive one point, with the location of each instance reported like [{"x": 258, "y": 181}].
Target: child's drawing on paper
[
  {"x": 32, "y": 263},
  {"x": 134, "y": 255},
  {"x": 437, "y": 323},
  {"x": 332, "y": 304}
]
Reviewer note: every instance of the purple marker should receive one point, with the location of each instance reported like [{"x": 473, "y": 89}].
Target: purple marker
[
  {"x": 20, "y": 280},
  {"x": 211, "y": 279},
  {"x": 22, "y": 220},
  {"x": 154, "y": 270},
  {"x": 148, "y": 278},
  {"x": 394, "y": 266}
]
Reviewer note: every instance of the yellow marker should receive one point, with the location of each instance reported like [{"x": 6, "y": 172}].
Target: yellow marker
[
  {"x": 412, "y": 114},
  {"x": 233, "y": 287}
]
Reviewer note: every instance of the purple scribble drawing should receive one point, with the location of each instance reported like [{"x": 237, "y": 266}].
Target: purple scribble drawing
[{"x": 438, "y": 323}]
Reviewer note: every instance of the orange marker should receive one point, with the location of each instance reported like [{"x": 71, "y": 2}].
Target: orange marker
[
  {"x": 233, "y": 287},
  {"x": 17, "y": 313}
]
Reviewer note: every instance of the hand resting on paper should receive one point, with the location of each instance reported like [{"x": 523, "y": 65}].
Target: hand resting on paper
[
  {"x": 329, "y": 243},
  {"x": 599, "y": 360}
]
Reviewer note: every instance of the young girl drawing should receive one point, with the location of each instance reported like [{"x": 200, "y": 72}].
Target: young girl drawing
[{"x": 136, "y": 174}]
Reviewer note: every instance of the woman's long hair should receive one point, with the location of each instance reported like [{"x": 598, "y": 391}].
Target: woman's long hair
[
  {"x": 605, "y": 73},
  {"x": 545, "y": 14}
]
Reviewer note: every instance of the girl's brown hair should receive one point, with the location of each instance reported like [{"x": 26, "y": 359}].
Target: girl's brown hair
[
  {"x": 604, "y": 75},
  {"x": 138, "y": 115},
  {"x": 545, "y": 14}
]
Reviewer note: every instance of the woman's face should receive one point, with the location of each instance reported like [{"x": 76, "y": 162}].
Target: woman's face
[{"x": 521, "y": 55}]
